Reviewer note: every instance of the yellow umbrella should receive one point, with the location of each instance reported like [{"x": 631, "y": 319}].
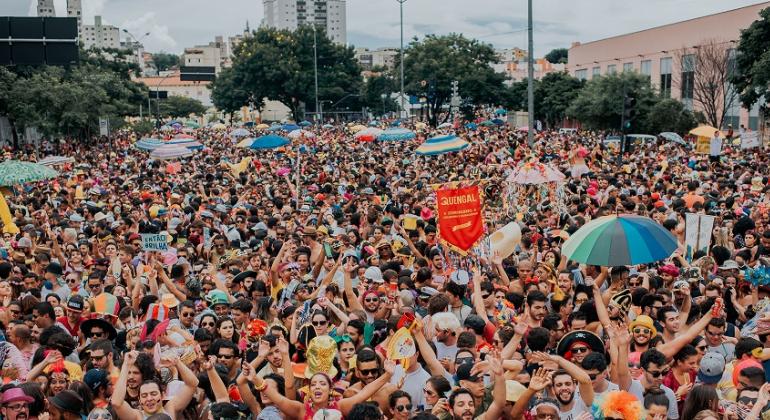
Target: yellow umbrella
[
  {"x": 245, "y": 142},
  {"x": 704, "y": 131},
  {"x": 219, "y": 126},
  {"x": 262, "y": 126},
  {"x": 357, "y": 128}
]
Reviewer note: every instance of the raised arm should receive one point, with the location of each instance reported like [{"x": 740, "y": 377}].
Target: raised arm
[
  {"x": 478, "y": 301},
  {"x": 498, "y": 391},
  {"x": 242, "y": 381},
  {"x": 347, "y": 404},
  {"x": 601, "y": 308},
  {"x": 185, "y": 395},
  {"x": 584, "y": 381},
  {"x": 426, "y": 351},
  {"x": 671, "y": 348},
  {"x": 353, "y": 302},
  {"x": 217, "y": 386},
  {"x": 118, "y": 400},
  {"x": 291, "y": 408},
  {"x": 539, "y": 381}
]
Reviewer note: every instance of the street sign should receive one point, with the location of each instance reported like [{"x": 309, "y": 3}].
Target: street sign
[
  {"x": 158, "y": 94},
  {"x": 197, "y": 74},
  {"x": 104, "y": 126}
]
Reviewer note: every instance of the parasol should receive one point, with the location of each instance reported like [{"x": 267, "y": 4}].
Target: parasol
[
  {"x": 368, "y": 134},
  {"x": 262, "y": 126},
  {"x": 301, "y": 133},
  {"x": 219, "y": 126},
  {"x": 55, "y": 160},
  {"x": 442, "y": 144},
  {"x": 305, "y": 123},
  {"x": 270, "y": 141},
  {"x": 672, "y": 137},
  {"x": 290, "y": 127},
  {"x": 704, "y": 131},
  {"x": 535, "y": 173},
  {"x": 619, "y": 240},
  {"x": 188, "y": 143},
  {"x": 148, "y": 144},
  {"x": 171, "y": 151},
  {"x": 396, "y": 134},
  {"x": 445, "y": 125},
  {"x": 14, "y": 172},
  {"x": 240, "y": 132}
]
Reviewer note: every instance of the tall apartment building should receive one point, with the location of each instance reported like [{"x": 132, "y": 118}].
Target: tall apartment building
[
  {"x": 99, "y": 35},
  {"x": 327, "y": 14},
  {"x": 45, "y": 8}
]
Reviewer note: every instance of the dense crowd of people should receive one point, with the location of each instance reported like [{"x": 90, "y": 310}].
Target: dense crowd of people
[{"x": 289, "y": 272}]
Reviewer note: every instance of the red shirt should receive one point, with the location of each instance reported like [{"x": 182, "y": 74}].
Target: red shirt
[{"x": 74, "y": 330}]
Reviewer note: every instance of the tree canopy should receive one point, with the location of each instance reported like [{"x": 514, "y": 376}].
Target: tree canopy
[
  {"x": 553, "y": 95},
  {"x": 165, "y": 61},
  {"x": 557, "y": 56},
  {"x": 279, "y": 65},
  {"x": 180, "y": 106},
  {"x": 752, "y": 75},
  {"x": 430, "y": 66}
]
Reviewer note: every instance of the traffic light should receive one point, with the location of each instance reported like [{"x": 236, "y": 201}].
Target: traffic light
[{"x": 629, "y": 111}]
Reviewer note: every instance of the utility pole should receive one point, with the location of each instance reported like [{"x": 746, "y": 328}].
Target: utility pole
[
  {"x": 530, "y": 78},
  {"x": 403, "y": 105},
  {"x": 315, "y": 68}
]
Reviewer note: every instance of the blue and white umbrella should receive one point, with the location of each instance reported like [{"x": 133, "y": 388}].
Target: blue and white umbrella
[
  {"x": 290, "y": 127},
  {"x": 442, "y": 144},
  {"x": 148, "y": 144},
  {"x": 374, "y": 123},
  {"x": 301, "y": 133},
  {"x": 498, "y": 121},
  {"x": 472, "y": 126},
  {"x": 171, "y": 151},
  {"x": 305, "y": 123},
  {"x": 327, "y": 126},
  {"x": 240, "y": 132},
  {"x": 396, "y": 134},
  {"x": 188, "y": 143},
  {"x": 275, "y": 127}
]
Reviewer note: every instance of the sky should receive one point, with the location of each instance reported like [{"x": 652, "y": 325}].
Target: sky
[{"x": 177, "y": 24}]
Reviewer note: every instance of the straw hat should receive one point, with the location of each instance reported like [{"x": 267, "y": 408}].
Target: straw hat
[
  {"x": 505, "y": 240},
  {"x": 320, "y": 356}
]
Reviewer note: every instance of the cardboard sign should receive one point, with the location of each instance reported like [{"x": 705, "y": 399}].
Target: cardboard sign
[
  {"x": 703, "y": 145},
  {"x": 697, "y": 233},
  {"x": 154, "y": 242},
  {"x": 460, "y": 221},
  {"x": 750, "y": 140}
]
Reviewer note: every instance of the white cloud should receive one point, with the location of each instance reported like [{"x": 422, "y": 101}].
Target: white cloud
[{"x": 160, "y": 37}]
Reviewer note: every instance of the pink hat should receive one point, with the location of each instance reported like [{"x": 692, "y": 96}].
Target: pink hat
[
  {"x": 16, "y": 394},
  {"x": 669, "y": 269}
]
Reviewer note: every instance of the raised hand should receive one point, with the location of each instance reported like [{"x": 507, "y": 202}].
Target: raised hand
[
  {"x": 540, "y": 380},
  {"x": 130, "y": 357},
  {"x": 264, "y": 348},
  {"x": 389, "y": 367},
  {"x": 210, "y": 363}
]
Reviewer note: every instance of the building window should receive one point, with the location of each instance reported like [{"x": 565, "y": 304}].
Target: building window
[
  {"x": 628, "y": 67},
  {"x": 646, "y": 67},
  {"x": 665, "y": 77},
  {"x": 581, "y": 74},
  {"x": 596, "y": 71},
  {"x": 688, "y": 79},
  {"x": 612, "y": 69}
]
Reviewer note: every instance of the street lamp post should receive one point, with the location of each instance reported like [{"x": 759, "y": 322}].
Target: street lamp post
[
  {"x": 315, "y": 69},
  {"x": 530, "y": 79},
  {"x": 403, "y": 105}
]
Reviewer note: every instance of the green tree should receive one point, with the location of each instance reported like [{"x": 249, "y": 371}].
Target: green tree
[
  {"x": 432, "y": 64},
  {"x": 752, "y": 75},
  {"x": 554, "y": 94},
  {"x": 280, "y": 65},
  {"x": 165, "y": 61},
  {"x": 228, "y": 93},
  {"x": 669, "y": 115},
  {"x": 180, "y": 106},
  {"x": 557, "y": 55},
  {"x": 379, "y": 83},
  {"x": 514, "y": 97},
  {"x": 600, "y": 103}
]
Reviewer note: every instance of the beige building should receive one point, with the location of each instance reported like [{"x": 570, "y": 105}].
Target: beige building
[
  {"x": 381, "y": 57},
  {"x": 661, "y": 53},
  {"x": 99, "y": 35},
  {"x": 169, "y": 82}
]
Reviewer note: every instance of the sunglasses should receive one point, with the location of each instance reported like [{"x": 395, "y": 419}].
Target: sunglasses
[
  {"x": 428, "y": 391},
  {"x": 207, "y": 324},
  {"x": 579, "y": 350},
  {"x": 94, "y": 286},
  {"x": 371, "y": 299},
  {"x": 369, "y": 372},
  {"x": 187, "y": 314},
  {"x": 485, "y": 296},
  {"x": 634, "y": 365},
  {"x": 226, "y": 356},
  {"x": 702, "y": 348},
  {"x": 319, "y": 323},
  {"x": 593, "y": 376},
  {"x": 402, "y": 408},
  {"x": 97, "y": 333},
  {"x": 642, "y": 330},
  {"x": 657, "y": 373}
]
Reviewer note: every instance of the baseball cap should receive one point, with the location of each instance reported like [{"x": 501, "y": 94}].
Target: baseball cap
[
  {"x": 75, "y": 303},
  {"x": 95, "y": 378},
  {"x": 712, "y": 366}
]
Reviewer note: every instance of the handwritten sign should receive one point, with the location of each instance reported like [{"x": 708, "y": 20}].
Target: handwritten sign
[
  {"x": 703, "y": 145},
  {"x": 750, "y": 140},
  {"x": 154, "y": 242}
]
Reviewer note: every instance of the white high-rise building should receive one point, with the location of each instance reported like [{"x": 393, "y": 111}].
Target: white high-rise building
[
  {"x": 100, "y": 36},
  {"x": 289, "y": 14},
  {"x": 45, "y": 8},
  {"x": 75, "y": 9}
]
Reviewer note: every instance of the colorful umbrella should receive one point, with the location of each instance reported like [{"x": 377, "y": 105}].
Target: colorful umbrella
[
  {"x": 357, "y": 128},
  {"x": 219, "y": 126},
  {"x": 55, "y": 160},
  {"x": 471, "y": 126},
  {"x": 535, "y": 173},
  {"x": 270, "y": 141},
  {"x": 500, "y": 111},
  {"x": 148, "y": 144},
  {"x": 445, "y": 125},
  {"x": 487, "y": 123},
  {"x": 612, "y": 241},
  {"x": 245, "y": 142},
  {"x": 188, "y": 143},
  {"x": 192, "y": 124},
  {"x": 240, "y": 132},
  {"x": 262, "y": 126},
  {"x": 396, "y": 134},
  {"x": 305, "y": 123},
  {"x": 368, "y": 134},
  {"x": 275, "y": 127},
  {"x": 171, "y": 151},
  {"x": 301, "y": 133},
  {"x": 497, "y": 121},
  {"x": 290, "y": 127},
  {"x": 14, "y": 172},
  {"x": 442, "y": 144},
  {"x": 672, "y": 137},
  {"x": 327, "y": 126},
  {"x": 704, "y": 131}
]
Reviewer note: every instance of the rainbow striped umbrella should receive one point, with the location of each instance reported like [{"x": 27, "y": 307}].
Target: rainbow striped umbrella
[
  {"x": 618, "y": 240},
  {"x": 442, "y": 144}
]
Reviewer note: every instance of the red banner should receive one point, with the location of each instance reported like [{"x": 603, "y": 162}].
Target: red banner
[{"x": 460, "y": 222}]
